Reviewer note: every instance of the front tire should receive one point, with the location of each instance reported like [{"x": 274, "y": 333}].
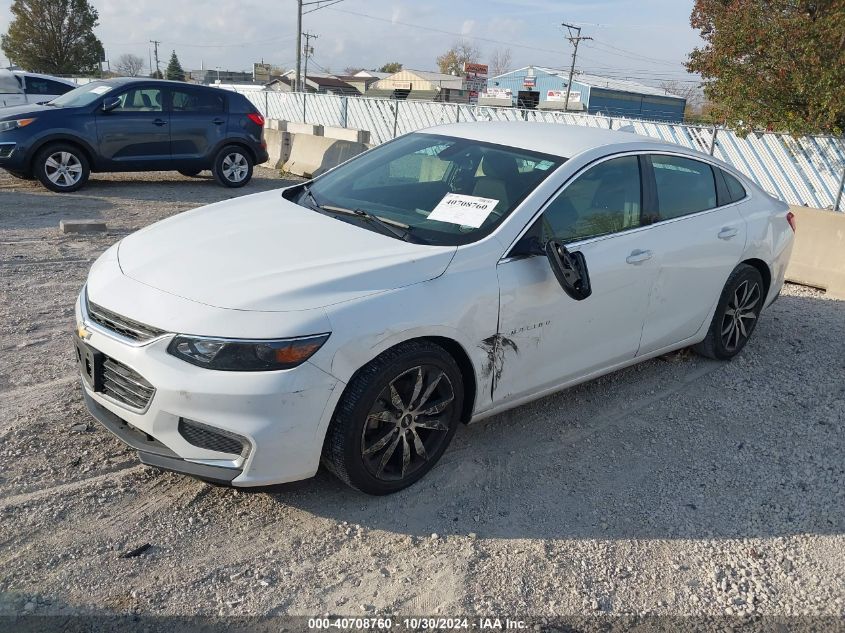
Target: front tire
[
  {"x": 61, "y": 167},
  {"x": 395, "y": 419},
  {"x": 736, "y": 314},
  {"x": 232, "y": 166}
]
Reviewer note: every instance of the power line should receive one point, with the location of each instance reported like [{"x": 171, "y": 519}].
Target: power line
[{"x": 317, "y": 5}]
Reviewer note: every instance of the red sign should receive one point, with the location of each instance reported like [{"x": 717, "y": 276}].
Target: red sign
[
  {"x": 528, "y": 82},
  {"x": 477, "y": 69}
]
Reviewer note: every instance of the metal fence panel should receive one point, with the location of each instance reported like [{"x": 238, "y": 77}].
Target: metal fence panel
[{"x": 805, "y": 170}]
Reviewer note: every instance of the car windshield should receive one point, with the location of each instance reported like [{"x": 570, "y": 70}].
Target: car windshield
[
  {"x": 82, "y": 96},
  {"x": 441, "y": 190}
]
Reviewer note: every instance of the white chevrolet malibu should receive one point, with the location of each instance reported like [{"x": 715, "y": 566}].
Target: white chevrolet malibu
[{"x": 357, "y": 319}]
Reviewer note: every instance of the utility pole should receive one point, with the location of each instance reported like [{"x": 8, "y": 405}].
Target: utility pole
[
  {"x": 296, "y": 84},
  {"x": 308, "y": 50},
  {"x": 316, "y": 4},
  {"x": 574, "y": 38},
  {"x": 156, "y": 43}
]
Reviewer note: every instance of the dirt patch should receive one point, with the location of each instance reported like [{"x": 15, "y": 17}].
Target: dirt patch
[{"x": 683, "y": 487}]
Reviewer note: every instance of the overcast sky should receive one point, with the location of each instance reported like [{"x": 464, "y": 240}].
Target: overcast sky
[{"x": 642, "y": 39}]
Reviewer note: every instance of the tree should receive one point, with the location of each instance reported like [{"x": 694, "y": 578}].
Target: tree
[
  {"x": 390, "y": 67},
  {"x": 452, "y": 61},
  {"x": 174, "y": 69},
  {"x": 129, "y": 65},
  {"x": 53, "y": 36},
  {"x": 774, "y": 64},
  {"x": 500, "y": 62}
]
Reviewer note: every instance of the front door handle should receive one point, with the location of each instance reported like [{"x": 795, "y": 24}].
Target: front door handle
[
  {"x": 159, "y": 122},
  {"x": 218, "y": 121},
  {"x": 638, "y": 257},
  {"x": 728, "y": 232}
]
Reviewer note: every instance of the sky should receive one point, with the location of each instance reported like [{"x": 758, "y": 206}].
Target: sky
[{"x": 645, "y": 40}]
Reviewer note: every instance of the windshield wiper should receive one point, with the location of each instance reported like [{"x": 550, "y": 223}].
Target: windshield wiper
[{"x": 394, "y": 228}]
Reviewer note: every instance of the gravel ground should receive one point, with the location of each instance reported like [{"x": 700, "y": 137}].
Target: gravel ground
[{"x": 682, "y": 486}]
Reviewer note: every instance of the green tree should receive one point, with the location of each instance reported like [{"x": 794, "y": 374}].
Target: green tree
[
  {"x": 773, "y": 64},
  {"x": 174, "y": 69},
  {"x": 53, "y": 36},
  {"x": 390, "y": 67},
  {"x": 452, "y": 61}
]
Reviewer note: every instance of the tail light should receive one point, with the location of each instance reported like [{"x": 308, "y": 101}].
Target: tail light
[
  {"x": 790, "y": 217},
  {"x": 256, "y": 118}
]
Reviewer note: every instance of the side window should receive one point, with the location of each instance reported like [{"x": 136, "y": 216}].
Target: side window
[
  {"x": 140, "y": 100},
  {"x": 604, "y": 199},
  {"x": 684, "y": 186},
  {"x": 39, "y": 86},
  {"x": 736, "y": 191},
  {"x": 198, "y": 101}
]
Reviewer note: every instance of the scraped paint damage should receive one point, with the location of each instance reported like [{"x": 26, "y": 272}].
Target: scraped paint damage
[{"x": 496, "y": 347}]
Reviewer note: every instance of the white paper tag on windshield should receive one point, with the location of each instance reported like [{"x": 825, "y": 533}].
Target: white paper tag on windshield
[
  {"x": 457, "y": 208},
  {"x": 100, "y": 90}
]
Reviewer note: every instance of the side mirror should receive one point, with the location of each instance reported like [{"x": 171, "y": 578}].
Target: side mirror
[
  {"x": 570, "y": 269},
  {"x": 110, "y": 104}
]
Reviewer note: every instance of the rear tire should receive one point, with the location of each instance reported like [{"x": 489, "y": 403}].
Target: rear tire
[
  {"x": 395, "y": 419},
  {"x": 190, "y": 173},
  {"x": 736, "y": 314},
  {"x": 61, "y": 167},
  {"x": 232, "y": 166}
]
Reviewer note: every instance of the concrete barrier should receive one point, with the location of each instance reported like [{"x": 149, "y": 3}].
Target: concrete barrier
[
  {"x": 818, "y": 256},
  {"x": 347, "y": 134},
  {"x": 278, "y": 146},
  {"x": 312, "y": 155},
  {"x": 304, "y": 128}
]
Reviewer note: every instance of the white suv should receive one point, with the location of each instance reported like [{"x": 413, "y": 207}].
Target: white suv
[{"x": 21, "y": 88}]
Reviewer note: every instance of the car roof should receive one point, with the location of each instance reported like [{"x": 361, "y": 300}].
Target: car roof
[
  {"x": 61, "y": 80},
  {"x": 125, "y": 81},
  {"x": 549, "y": 138}
]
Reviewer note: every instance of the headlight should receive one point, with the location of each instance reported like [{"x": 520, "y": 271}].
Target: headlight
[
  {"x": 5, "y": 126},
  {"x": 236, "y": 355}
]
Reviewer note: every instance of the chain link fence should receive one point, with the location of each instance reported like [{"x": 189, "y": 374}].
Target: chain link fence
[{"x": 806, "y": 170}]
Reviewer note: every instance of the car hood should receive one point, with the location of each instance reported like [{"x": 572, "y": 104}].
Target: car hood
[
  {"x": 23, "y": 111},
  {"x": 264, "y": 253}
]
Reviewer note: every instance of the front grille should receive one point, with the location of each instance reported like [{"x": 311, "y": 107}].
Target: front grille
[
  {"x": 6, "y": 149},
  {"x": 213, "y": 439},
  {"x": 126, "y": 385},
  {"x": 121, "y": 325}
]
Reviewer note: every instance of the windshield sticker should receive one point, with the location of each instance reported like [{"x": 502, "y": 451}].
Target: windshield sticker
[
  {"x": 544, "y": 165},
  {"x": 456, "y": 208},
  {"x": 100, "y": 90}
]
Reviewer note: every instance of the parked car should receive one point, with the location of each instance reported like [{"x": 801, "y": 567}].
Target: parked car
[
  {"x": 440, "y": 278},
  {"x": 133, "y": 125},
  {"x": 20, "y": 88}
]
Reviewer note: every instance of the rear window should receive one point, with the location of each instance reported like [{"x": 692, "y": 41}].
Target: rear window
[
  {"x": 736, "y": 191},
  {"x": 198, "y": 101},
  {"x": 41, "y": 86}
]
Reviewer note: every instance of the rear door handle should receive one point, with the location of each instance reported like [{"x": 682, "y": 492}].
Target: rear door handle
[
  {"x": 638, "y": 257},
  {"x": 728, "y": 232},
  {"x": 218, "y": 121},
  {"x": 159, "y": 122}
]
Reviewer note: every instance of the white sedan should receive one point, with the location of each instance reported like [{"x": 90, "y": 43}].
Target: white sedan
[{"x": 357, "y": 319}]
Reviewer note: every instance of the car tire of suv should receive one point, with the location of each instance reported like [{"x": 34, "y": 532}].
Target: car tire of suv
[
  {"x": 395, "y": 419},
  {"x": 232, "y": 166},
  {"x": 61, "y": 167},
  {"x": 736, "y": 314},
  {"x": 190, "y": 173}
]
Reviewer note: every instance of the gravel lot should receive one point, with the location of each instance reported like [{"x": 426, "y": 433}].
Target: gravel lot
[{"x": 682, "y": 486}]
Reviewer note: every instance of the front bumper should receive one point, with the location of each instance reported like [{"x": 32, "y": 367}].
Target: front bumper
[
  {"x": 11, "y": 156},
  {"x": 281, "y": 414}
]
